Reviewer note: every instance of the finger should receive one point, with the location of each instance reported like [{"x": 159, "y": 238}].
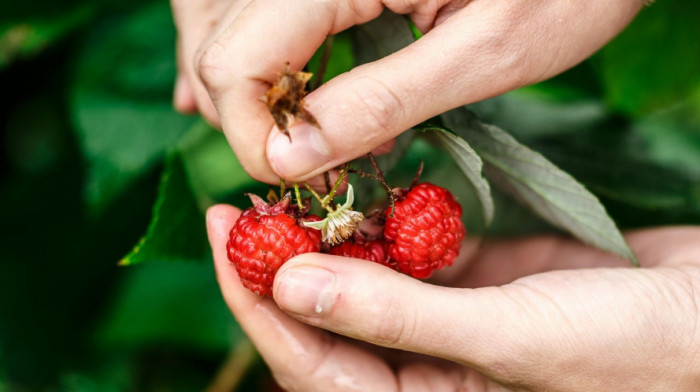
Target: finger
[
  {"x": 372, "y": 303},
  {"x": 183, "y": 96},
  {"x": 301, "y": 357},
  {"x": 542, "y": 332},
  {"x": 500, "y": 45},
  {"x": 495, "y": 263}
]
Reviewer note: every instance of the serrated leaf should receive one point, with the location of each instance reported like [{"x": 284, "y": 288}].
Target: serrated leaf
[
  {"x": 124, "y": 118},
  {"x": 471, "y": 165},
  {"x": 176, "y": 231},
  {"x": 531, "y": 178}
]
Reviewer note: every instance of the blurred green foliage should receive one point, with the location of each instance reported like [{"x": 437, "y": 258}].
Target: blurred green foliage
[{"x": 96, "y": 168}]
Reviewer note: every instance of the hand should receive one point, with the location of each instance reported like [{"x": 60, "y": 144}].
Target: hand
[
  {"x": 472, "y": 50},
  {"x": 543, "y": 314}
]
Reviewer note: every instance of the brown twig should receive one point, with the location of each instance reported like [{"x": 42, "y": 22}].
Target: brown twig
[
  {"x": 327, "y": 180},
  {"x": 417, "y": 176},
  {"x": 323, "y": 63},
  {"x": 234, "y": 368},
  {"x": 382, "y": 180}
]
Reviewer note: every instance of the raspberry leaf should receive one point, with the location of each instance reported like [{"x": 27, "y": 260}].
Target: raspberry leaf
[
  {"x": 533, "y": 180},
  {"x": 471, "y": 165},
  {"x": 381, "y": 37},
  {"x": 176, "y": 231},
  {"x": 123, "y": 115}
]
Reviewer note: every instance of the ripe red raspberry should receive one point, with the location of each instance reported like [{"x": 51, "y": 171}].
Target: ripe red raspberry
[
  {"x": 426, "y": 230},
  {"x": 360, "y": 248},
  {"x": 264, "y": 237}
]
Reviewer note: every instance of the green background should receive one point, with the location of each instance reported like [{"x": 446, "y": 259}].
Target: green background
[{"x": 96, "y": 168}]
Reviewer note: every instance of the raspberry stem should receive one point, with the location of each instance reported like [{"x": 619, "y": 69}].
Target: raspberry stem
[
  {"x": 343, "y": 173},
  {"x": 316, "y": 196},
  {"x": 327, "y": 181},
  {"x": 297, "y": 195},
  {"x": 418, "y": 173},
  {"x": 380, "y": 177},
  {"x": 323, "y": 63}
]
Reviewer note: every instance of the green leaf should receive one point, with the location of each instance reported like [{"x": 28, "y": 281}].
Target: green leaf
[
  {"x": 655, "y": 61},
  {"x": 23, "y": 39},
  {"x": 176, "y": 231},
  {"x": 532, "y": 179},
  {"x": 123, "y": 114},
  {"x": 381, "y": 37},
  {"x": 471, "y": 165},
  {"x": 211, "y": 166},
  {"x": 171, "y": 304},
  {"x": 528, "y": 114}
]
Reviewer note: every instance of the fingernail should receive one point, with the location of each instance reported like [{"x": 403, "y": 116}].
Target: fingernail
[
  {"x": 306, "y": 152},
  {"x": 307, "y": 291}
]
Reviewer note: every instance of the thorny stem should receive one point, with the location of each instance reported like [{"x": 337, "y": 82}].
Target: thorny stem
[
  {"x": 297, "y": 195},
  {"x": 418, "y": 173},
  {"x": 323, "y": 63},
  {"x": 380, "y": 177}
]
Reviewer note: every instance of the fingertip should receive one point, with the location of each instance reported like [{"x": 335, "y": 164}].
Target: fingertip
[
  {"x": 183, "y": 96},
  {"x": 220, "y": 218},
  {"x": 301, "y": 155}
]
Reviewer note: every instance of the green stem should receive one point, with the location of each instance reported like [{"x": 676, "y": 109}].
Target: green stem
[
  {"x": 324, "y": 205},
  {"x": 341, "y": 176},
  {"x": 297, "y": 194}
]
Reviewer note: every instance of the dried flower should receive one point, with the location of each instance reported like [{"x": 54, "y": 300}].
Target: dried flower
[
  {"x": 285, "y": 99},
  {"x": 339, "y": 224}
]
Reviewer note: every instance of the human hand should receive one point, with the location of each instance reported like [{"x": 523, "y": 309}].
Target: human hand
[
  {"x": 472, "y": 50},
  {"x": 544, "y": 314}
]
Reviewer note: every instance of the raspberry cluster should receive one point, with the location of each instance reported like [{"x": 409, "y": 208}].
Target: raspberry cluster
[{"x": 422, "y": 233}]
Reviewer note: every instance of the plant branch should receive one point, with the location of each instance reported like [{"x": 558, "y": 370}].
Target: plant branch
[
  {"x": 323, "y": 64},
  {"x": 239, "y": 360}
]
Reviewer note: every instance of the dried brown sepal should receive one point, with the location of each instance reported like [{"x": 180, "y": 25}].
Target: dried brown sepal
[{"x": 285, "y": 99}]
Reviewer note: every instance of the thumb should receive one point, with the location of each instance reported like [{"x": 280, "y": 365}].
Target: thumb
[
  {"x": 482, "y": 50},
  {"x": 372, "y": 303}
]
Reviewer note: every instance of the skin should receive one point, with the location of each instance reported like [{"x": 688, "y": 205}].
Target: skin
[
  {"x": 535, "y": 314},
  {"x": 230, "y": 52}
]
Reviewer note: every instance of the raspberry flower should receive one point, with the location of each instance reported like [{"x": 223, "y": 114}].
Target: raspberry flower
[{"x": 339, "y": 224}]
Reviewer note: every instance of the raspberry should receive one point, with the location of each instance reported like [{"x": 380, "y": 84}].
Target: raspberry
[
  {"x": 264, "y": 237},
  {"x": 425, "y": 232},
  {"x": 359, "y": 248}
]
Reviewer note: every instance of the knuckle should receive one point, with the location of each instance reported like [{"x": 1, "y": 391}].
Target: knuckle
[
  {"x": 377, "y": 104},
  {"x": 394, "y": 325},
  {"x": 209, "y": 63}
]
